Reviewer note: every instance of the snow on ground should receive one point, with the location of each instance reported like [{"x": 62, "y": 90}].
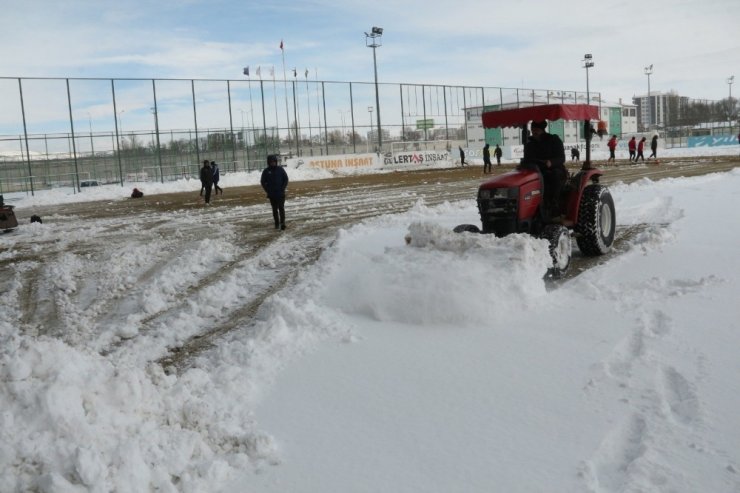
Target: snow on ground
[{"x": 445, "y": 364}]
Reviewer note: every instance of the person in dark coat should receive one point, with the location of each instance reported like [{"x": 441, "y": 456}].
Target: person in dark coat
[
  {"x": 216, "y": 177},
  {"x": 274, "y": 181},
  {"x": 575, "y": 154},
  {"x": 487, "y": 167},
  {"x": 462, "y": 156},
  {"x": 654, "y": 147},
  {"x": 206, "y": 179},
  {"x": 547, "y": 152},
  {"x": 498, "y": 153}
]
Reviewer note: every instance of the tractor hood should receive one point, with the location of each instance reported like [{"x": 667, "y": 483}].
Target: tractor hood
[{"x": 512, "y": 179}]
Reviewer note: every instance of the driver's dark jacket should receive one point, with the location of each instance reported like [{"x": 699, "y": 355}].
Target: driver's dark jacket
[{"x": 548, "y": 147}]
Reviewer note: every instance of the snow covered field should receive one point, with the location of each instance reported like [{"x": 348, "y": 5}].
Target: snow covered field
[{"x": 447, "y": 364}]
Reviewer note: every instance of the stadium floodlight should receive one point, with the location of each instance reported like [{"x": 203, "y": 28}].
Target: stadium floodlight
[
  {"x": 374, "y": 40},
  {"x": 648, "y": 72}
]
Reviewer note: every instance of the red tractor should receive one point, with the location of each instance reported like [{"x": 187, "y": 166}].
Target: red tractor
[{"x": 513, "y": 202}]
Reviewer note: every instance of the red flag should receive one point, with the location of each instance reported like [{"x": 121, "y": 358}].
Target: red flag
[{"x": 281, "y": 44}]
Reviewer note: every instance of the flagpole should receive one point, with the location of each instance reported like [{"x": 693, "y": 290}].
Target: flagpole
[
  {"x": 308, "y": 105},
  {"x": 285, "y": 88},
  {"x": 274, "y": 95},
  {"x": 318, "y": 101}
]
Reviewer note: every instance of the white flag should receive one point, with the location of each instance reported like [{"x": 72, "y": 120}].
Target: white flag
[
  {"x": 272, "y": 71},
  {"x": 258, "y": 71}
]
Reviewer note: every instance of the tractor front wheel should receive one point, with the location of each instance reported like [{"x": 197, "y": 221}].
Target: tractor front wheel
[
  {"x": 466, "y": 228},
  {"x": 597, "y": 221},
  {"x": 560, "y": 248}
]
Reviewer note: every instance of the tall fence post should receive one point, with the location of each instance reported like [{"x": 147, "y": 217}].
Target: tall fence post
[
  {"x": 25, "y": 135},
  {"x": 115, "y": 121},
  {"x": 156, "y": 130},
  {"x": 195, "y": 122},
  {"x": 74, "y": 144}
]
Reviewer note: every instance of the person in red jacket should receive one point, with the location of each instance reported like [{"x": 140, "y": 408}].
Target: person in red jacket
[
  {"x": 612, "y": 145},
  {"x": 640, "y": 148},
  {"x": 632, "y": 146}
]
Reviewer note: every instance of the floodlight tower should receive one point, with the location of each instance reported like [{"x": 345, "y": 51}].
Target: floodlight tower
[
  {"x": 730, "y": 80},
  {"x": 648, "y": 72},
  {"x": 588, "y": 62},
  {"x": 374, "y": 40}
]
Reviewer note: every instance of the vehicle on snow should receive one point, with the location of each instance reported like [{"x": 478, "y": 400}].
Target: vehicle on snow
[
  {"x": 8, "y": 220},
  {"x": 513, "y": 202}
]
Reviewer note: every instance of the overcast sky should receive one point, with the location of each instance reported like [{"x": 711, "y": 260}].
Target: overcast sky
[{"x": 693, "y": 45}]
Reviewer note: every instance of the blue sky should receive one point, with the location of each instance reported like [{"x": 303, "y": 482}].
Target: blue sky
[{"x": 693, "y": 45}]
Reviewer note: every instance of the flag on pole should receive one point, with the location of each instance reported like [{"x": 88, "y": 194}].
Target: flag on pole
[
  {"x": 246, "y": 70},
  {"x": 281, "y": 44},
  {"x": 272, "y": 71},
  {"x": 258, "y": 72},
  {"x": 295, "y": 73},
  {"x": 306, "y": 73}
]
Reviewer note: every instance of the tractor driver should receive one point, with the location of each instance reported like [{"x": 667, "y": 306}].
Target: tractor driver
[{"x": 548, "y": 152}]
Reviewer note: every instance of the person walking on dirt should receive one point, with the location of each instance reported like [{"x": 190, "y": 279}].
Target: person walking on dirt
[
  {"x": 202, "y": 183},
  {"x": 632, "y": 146},
  {"x": 216, "y": 178},
  {"x": 274, "y": 181},
  {"x": 462, "y": 156},
  {"x": 206, "y": 180},
  {"x": 575, "y": 154},
  {"x": 612, "y": 145},
  {"x": 654, "y": 147},
  {"x": 640, "y": 149},
  {"x": 547, "y": 151},
  {"x": 498, "y": 153},
  {"x": 487, "y": 167}
]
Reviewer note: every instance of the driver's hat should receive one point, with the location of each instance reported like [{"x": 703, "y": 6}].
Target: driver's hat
[{"x": 542, "y": 124}]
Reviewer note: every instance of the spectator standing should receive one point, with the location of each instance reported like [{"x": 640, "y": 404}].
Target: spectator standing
[
  {"x": 206, "y": 179},
  {"x": 487, "y": 167},
  {"x": 202, "y": 183},
  {"x": 654, "y": 147},
  {"x": 575, "y": 154},
  {"x": 274, "y": 181},
  {"x": 640, "y": 149},
  {"x": 632, "y": 146},
  {"x": 612, "y": 145},
  {"x": 498, "y": 153},
  {"x": 216, "y": 178},
  {"x": 462, "y": 156}
]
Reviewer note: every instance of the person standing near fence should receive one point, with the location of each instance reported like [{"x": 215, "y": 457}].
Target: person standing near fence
[
  {"x": 216, "y": 178},
  {"x": 498, "y": 153},
  {"x": 206, "y": 179},
  {"x": 654, "y": 147},
  {"x": 487, "y": 166},
  {"x": 274, "y": 181},
  {"x": 462, "y": 156},
  {"x": 632, "y": 146},
  {"x": 640, "y": 150}
]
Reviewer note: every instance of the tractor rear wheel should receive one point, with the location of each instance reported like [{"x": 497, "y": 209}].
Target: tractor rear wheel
[
  {"x": 560, "y": 248},
  {"x": 597, "y": 221}
]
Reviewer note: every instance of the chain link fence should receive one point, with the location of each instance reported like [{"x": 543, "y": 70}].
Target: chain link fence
[{"x": 68, "y": 132}]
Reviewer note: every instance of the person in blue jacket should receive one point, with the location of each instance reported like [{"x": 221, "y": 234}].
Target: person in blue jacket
[
  {"x": 274, "y": 181},
  {"x": 216, "y": 178}
]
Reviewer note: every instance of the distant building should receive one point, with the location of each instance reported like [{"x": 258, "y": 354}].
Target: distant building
[
  {"x": 620, "y": 119},
  {"x": 656, "y": 109}
]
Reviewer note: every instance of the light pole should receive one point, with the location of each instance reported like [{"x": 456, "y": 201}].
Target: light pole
[
  {"x": 92, "y": 146},
  {"x": 370, "y": 132},
  {"x": 648, "y": 71},
  {"x": 730, "y": 80},
  {"x": 374, "y": 40},
  {"x": 588, "y": 62}
]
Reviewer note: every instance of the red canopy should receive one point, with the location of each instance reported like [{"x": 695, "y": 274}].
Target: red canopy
[{"x": 521, "y": 116}]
